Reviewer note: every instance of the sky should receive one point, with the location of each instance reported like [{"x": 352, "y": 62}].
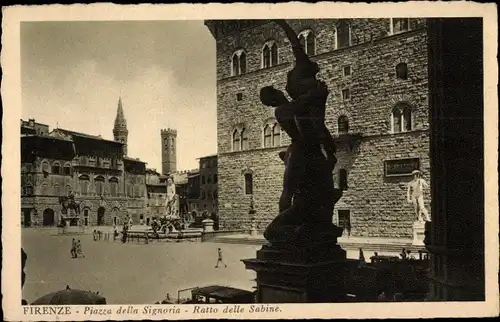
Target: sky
[{"x": 73, "y": 74}]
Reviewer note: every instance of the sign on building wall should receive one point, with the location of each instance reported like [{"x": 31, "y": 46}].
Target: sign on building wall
[{"x": 401, "y": 167}]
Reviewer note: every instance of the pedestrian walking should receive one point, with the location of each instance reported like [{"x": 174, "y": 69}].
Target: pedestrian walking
[
  {"x": 362, "y": 261},
  {"x": 79, "y": 250},
  {"x": 219, "y": 258},
  {"x": 73, "y": 249}
]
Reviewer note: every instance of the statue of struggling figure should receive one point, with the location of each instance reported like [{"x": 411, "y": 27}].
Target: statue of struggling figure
[
  {"x": 310, "y": 158},
  {"x": 415, "y": 195},
  {"x": 303, "y": 119}
]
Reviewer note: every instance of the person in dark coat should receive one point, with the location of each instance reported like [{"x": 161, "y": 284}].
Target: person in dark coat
[{"x": 24, "y": 258}]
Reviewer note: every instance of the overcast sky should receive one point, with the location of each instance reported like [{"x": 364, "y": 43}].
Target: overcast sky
[{"x": 74, "y": 72}]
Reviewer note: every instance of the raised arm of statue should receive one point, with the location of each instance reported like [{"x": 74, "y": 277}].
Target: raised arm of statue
[
  {"x": 424, "y": 183},
  {"x": 300, "y": 56}
]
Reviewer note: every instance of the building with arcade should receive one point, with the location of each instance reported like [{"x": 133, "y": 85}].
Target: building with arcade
[{"x": 106, "y": 183}]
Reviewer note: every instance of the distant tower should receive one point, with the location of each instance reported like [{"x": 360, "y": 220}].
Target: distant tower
[
  {"x": 168, "y": 151},
  {"x": 120, "y": 131}
]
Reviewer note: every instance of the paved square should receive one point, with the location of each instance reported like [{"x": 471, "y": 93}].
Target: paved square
[{"x": 129, "y": 273}]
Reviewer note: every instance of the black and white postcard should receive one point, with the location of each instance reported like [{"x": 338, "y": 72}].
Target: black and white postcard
[{"x": 249, "y": 161}]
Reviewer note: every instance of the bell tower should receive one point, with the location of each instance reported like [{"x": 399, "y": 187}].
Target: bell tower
[
  {"x": 120, "y": 132},
  {"x": 168, "y": 151}
]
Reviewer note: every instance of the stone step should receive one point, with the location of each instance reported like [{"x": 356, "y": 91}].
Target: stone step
[{"x": 366, "y": 246}]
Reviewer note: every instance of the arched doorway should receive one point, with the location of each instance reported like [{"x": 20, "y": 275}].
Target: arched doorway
[
  {"x": 48, "y": 217},
  {"x": 86, "y": 216},
  {"x": 100, "y": 216},
  {"x": 27, "y": 218}
]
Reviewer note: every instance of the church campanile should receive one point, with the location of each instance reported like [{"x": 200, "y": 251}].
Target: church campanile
[{"x": 120, "y": 132}]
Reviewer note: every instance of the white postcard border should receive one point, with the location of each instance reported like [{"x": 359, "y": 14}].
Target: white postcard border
[{"x": 11, "y": 96}]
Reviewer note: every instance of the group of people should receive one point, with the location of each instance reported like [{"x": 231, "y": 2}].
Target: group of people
[{"x": 76, "y": 249}]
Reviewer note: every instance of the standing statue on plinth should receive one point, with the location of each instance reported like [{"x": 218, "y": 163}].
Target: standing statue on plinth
[
  {"x": 415, "y": 196},
  {"x": 308, "y": 192},
  {"x": 171, "y": 203}
]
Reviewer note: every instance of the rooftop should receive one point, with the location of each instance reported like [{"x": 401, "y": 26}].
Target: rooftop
[
  {"x": 47, "y": 136},
  {"x": 220, "y": 292},
  {"x": 74, "y": 133},
  {"x": 133, "y": 159},
  {"x": 207, "y": 156}
]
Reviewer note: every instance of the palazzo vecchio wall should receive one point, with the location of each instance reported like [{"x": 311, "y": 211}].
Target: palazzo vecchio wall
[{"x": 373, "y": 68}]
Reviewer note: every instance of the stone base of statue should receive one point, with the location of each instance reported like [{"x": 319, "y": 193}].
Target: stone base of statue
[
  {"x": 310, "y": 268},
  {"x": 253, "y": 231},
  {"x": 418, "y": 233},
  {"x": 208, "y": 225}
]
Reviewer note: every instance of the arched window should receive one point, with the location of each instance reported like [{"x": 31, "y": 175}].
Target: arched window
[
  {"x": 343, "y": 124},
  {"x": 239, "y": 63},
  {"x": 236, "y": 140},
  {"x": 56, "y": 168},
  {"x": 45, "y": 166},
  {"x": 401, "y": 118},
  {"x": 268, "y": 135},
  {"x": 243, "y": 63},
  {"x": 308, "y": 42},
  {"x": 276, "y": 135},
  {"x": 248, "y": 184},
  {"x": 402, "y": 71},
  {"x": 244, "y": 139},
  {"x": 271, "y": 134},
  {"x": 99, "y": 185},
  {"x": 343, "y": 179},
  {"x": 269, "y": 54},
  {"x": 399, "y": 25},
  {"x": 343, "y": 34},
  {"x": 113, "y": 186},
  {"x": 84, "y": 184},
  {"x": 67, "y": 169},
  {"x": 57, "y": 190}
]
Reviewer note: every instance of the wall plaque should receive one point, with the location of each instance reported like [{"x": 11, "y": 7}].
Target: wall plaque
[{"x": 401, "y": 167}]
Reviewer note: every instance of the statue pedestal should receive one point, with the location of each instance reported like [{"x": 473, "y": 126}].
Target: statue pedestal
[
  {"x": 418, "y": 233},
  {"x": 208, "y": 225},
  {"x": 253, "y": 231},
  {"x": 306, "y": 270}
]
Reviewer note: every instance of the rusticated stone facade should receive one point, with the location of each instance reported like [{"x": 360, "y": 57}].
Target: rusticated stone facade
[{"x": 373, "y": 67}]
